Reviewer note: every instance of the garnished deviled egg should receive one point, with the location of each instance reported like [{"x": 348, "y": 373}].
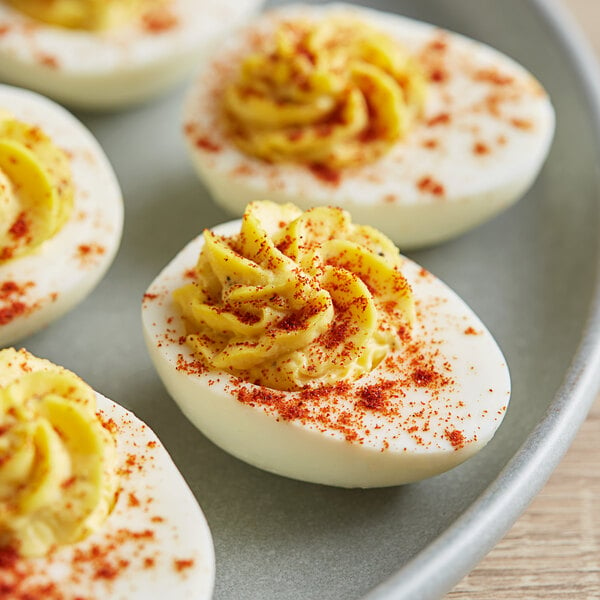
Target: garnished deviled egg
[
  {"x": 61, "y": 213},
  {"x": 102, "y": 54},
  {"x": 417, "y": 131},
  {"x": 91, "y": 504},
  {"x": 308, "y": 346}
]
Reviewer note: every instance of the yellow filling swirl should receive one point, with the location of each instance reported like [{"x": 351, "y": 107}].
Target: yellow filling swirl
[
  {"x": 90, "y": 15},
  {"x": 36, "y": 188},
  {"x": 296, "y": 298},
  {"x": 333, "y": 93},
  {"x": 57, "y": 462}
]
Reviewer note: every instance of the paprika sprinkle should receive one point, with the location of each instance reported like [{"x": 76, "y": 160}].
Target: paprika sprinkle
[
  {"x": 146, "y": 540},
  {"x": 357, "y": 367}
]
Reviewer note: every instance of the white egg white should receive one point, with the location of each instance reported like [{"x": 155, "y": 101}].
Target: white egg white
[
  {"x": 485, "y": 133},
  {"x": 65, "y": 269},
  {"x": 155, "y": 543},
  {"x": 117, "y": 67},
  {"x": 428, "y": 429}
]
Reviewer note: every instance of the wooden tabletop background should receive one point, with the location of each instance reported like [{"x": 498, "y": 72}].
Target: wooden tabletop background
[{"x": 553, "y": 551}]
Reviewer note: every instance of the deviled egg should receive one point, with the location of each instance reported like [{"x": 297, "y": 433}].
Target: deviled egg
[
  {"x": 103, "y": 54},
  {"x": 91, "y": 504},
  {"x": 61, "y": 213},
  {"x": 309, "y": 347},
  {"x": 415, "y": 130}
]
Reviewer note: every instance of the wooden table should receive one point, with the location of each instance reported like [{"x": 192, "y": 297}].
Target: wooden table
[{"x": 553, "y": 551}]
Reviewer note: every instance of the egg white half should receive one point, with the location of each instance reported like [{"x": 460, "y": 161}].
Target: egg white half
[
  {"x": 118, "y": 67},
  {"x": 413, "y": 443},
  {"x": 65, "y": 269},
  {"x": 486, "y": 131},
  {"x": 155, "y": 543}
]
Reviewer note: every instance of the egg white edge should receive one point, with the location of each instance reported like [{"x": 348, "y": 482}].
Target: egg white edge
[
  {"x": 253, "y": 435},
  {"x": 104, "y": 72},
  {"x": 181, "y": 533},
  {"x": 97, "y": 192},
  {"x": 413, "y": 219}
]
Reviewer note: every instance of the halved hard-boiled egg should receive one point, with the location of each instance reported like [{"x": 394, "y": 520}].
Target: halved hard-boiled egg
[
  {"x": 417, "y": 131},
  {"x": 61, "y": 213},
  {"x": 309, "y": 347},
  {"x": 109, "y": 53},
  {"x": 91, "y": 504}
]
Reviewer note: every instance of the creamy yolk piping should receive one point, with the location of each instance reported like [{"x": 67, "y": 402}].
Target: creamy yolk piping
[
  {"x": 57, "y": 462},
  {"x": 334, "y": 94},
  {"x": 36, "y": 188},
  {"x": 296, "y": 298},
  {"x": 90, "y": 15}
]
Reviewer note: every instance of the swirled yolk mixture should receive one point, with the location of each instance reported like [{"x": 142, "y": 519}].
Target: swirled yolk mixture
[
  {"x": 90, "y": 15},
  {"x": 296, "y": 298},
  {"x": 36, "y": 188},
  {"x": 332, "y": 93},
  {"x": 57, "y": 462}
]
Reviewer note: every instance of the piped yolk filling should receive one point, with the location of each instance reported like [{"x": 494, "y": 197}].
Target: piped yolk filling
[
  {"x": 296, "y": 298},
  {"x": 88, "y": 15},
  {"x": 36, "y": 188},
  {"x": 333, "y": 93},
  {"x": 58, "y": 481}
]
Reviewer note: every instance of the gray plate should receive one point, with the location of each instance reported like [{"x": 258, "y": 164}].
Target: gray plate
[{"x": 530, "y": 274}]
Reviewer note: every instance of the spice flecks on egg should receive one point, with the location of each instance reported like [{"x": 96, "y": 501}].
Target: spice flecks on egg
[
  {"x": 155, "y": 540},
  {"x": 478, "y": 132},
  {"x": 61, "y": 213},
  {"x": 423, "y": 407}
]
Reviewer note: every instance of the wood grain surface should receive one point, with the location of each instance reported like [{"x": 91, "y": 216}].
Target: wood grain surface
[{"x": 553, "y": 551}]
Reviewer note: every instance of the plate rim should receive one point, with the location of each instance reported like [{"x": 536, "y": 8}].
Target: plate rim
[{"x": 437, "y": 568}]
